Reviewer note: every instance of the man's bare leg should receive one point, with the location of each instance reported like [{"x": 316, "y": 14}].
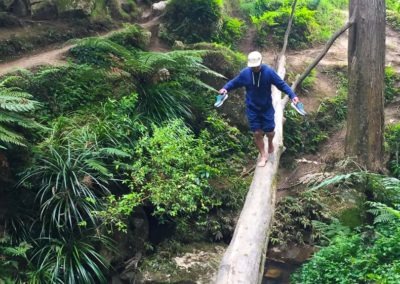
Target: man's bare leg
[
  {"x": 270, "y": 136},
  {"x": 259, "y": 140}
]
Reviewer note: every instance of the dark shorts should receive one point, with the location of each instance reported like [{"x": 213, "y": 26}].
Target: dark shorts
[{"x": 261, "y": 120}]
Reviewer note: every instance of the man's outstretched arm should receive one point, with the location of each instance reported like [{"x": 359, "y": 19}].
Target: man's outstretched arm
[
  {"x": 282, "y": 86},
  {"x": 235, "y": 83}
]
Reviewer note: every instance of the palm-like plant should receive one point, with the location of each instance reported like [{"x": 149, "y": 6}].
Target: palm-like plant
[
  {"x": 160, "y": 97},
  {"x": 12, "y": 102},
  {"x": 69, "y": 259},
  {"x": 70, "y": 182}
]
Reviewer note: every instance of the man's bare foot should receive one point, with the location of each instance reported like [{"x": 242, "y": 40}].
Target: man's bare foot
[
  {"x": 262, "y": 161},
  {"x": 270, "y": 149}
]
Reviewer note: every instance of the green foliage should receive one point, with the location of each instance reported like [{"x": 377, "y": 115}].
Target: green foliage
[
  {"x": 69, "y": 88},
  {"x": 173, "y": 170},
  {"x": 369, "y": 255},
  {"x": 384, "y": 189},
  {"x": 358, "y": 258},
  {"x": 69, "y": 259},
  {"x": 393, "y": 13},
  {"x": 171, "y": 85},
  {"x": 192, "y": 20},
  {"x": 294, "y": 219},
  {"x": 306, "y": 134},
  {"x": 221, "y": 58},
  {"x": 391, "y": 81},
  {"x": 184, "y": 176},
  {"x": 13, "y": 101},
  {"x": 392, "y": 142},
  {"x": 304, "y": 25},
  {"x": 101, "y": 52},
  {"x": 231, "y": 32},
  {"x": 12, "y": 258},
  {"x": 168, "y": 84},
  {"x": 314, "y": 21},
  {"x": 131, "y": 36},
  {"x": 69, "y": 176}
]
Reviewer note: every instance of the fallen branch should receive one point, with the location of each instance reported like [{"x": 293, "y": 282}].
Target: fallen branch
[
  {"x": 288, "y": 29},
  {"x": 300, "y": 79}
]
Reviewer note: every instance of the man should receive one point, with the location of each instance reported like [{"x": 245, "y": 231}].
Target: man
[{"x": 258, "y": 78}]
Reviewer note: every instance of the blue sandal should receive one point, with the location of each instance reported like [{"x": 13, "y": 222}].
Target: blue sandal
[
  {"x": 299, "y": 107},
  {"x": 220, "y": 100}
]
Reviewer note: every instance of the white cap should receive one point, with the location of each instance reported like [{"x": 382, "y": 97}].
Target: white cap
[{"x": 254, "y": 59}]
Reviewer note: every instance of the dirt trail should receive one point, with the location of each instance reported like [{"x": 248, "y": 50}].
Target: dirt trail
[{"x": 56, "y": 56}]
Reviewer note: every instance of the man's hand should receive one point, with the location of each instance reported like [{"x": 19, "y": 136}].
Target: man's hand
[
  {"x": 222, "y": 91},
  {"x": 295, "y": 100}
]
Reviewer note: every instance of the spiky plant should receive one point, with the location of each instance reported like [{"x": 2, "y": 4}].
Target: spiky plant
[
  {"x": 69, "y": 259},
  {"x": 69, "y": 184},
  {"x": 13, "y": 101}
]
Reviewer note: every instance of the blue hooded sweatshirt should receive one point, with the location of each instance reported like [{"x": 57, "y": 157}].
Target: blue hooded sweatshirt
[{"x": 258, "y": 88}]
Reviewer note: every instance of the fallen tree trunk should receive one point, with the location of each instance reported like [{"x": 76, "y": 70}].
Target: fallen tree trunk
[{"x": 243, "y": 262}]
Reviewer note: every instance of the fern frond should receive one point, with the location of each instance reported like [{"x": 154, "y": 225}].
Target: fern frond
[
  {"x": 334, "y": 180},
  {"x": 10, "y": 137},
  {"x": 115, "y": 152},
  {"x": 98, "y": 166},
  {"x": 383, "y": 213},
  {"x": 107, "y": 45}
]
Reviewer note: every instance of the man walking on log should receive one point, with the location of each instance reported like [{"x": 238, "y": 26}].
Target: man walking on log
[{"x": 258, "y": 78}]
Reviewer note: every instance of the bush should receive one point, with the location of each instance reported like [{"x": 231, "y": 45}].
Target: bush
[
  {"x": 314, "y": 20},
  {"x": 274, "y": 24},
  {"x": 193, "y": 20},
  {"x": 132, "y": 36},
  {"x": 180, "y": 175},
  {"x": 305, "y": 135},
  {"x": 357, "y": 258},
  {"x": 392, "y": 138},
  {"x": 231, "y": 31},
  {"x": 294, "y": 216},
  {"x": 73, "y": 87},
  {"x": 391, "y": 80}
]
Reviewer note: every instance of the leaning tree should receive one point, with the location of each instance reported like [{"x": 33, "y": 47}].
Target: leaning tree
[{"x": 366, "y": 64}]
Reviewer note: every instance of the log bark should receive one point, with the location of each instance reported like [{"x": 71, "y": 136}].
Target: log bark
[{"x": 366, "y": 63}]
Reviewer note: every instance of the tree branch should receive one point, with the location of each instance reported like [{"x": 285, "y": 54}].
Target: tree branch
[
  {"x": 289, "y": 27},
  {"x": 300, "y": 79}
]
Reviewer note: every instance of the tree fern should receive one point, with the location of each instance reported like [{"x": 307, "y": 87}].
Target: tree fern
[
  {"x": 12, "y": 102},
  {"x": 383, "y": 213}
]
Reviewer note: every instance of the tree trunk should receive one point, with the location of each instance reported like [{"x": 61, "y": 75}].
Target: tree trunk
[
  {"x": 243, "y": 261},
  {"x": 366, "y": 61}
]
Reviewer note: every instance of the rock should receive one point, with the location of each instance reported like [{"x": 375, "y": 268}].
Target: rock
[
  {"x": 8, "y": 20},
  {"x": 20, "y": 8},
  {"x": 273, "y": 273},
  {"x": 126, "y": 6},
  {"x": 5, "y": 5},
  {"x": 159, "y": 7},
  {"x": 161, "y": 75},
  {"x": 43, "y": 10},
  {"x": 75, "y": 8},
  {"x": 291, "y": 254},
  {"x": 179, "y": 45}
]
